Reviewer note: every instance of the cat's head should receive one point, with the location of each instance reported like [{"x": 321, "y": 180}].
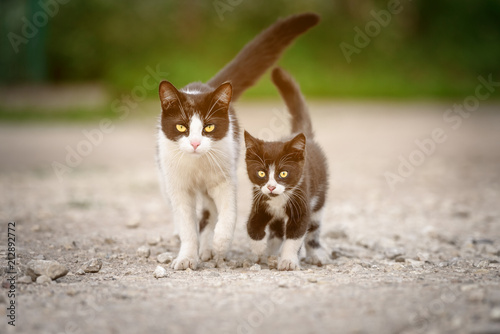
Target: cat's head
[
  {"x": 195, "y": 120},
  {"x": 275, "y": 167}
]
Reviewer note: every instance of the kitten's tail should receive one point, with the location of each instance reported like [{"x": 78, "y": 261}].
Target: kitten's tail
[
  {"x": 262, "y": 52},
  {"x": 290, "y": 92}
]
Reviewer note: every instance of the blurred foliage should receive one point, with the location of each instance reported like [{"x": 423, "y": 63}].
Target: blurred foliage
[{"x": 429, "y": 49}]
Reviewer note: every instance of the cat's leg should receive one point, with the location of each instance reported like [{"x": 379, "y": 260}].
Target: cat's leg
[
  {"x": 315, "y": 253},
  {"x": 224, "y": 197},
  {"x": 256, "y": 228},
  {"x": 184, "y": 209},
  {"x": 207, "y": 225},
  {"x": 275, "y": 239},
  {"x": 295, "y": 231}
]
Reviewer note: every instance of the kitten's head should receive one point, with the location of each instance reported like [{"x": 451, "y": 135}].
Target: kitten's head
[
  {"x": 275, "y": 167},
  {"x": 194, "y": 121}
]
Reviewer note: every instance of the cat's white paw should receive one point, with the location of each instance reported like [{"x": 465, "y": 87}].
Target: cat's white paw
[
  {"x": 318, "y": 258},
  {"x": 206, "y": 255},
  {"x": 288, "y": 264},
  {"x": 219, "y": 261},
  {"x": 182, "y": 263}
]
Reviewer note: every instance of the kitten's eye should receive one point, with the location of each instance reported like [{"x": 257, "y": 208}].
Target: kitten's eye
[
  {"x": 180, "y": 128},
  {"x": 283, "y": 174},
  {"x": 209, "y": 128},
  {"x": 261, "y": 173}
]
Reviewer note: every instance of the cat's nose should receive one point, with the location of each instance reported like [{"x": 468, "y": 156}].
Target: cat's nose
[
  {"x": 271, "y": 188},
  {"x": 195, "y": 144}
]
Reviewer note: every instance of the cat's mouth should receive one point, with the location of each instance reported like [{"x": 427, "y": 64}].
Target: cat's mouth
[{"x": 273, "y": 195}]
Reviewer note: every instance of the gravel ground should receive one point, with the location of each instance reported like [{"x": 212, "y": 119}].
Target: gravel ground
[{"x": 420, "y": 258}]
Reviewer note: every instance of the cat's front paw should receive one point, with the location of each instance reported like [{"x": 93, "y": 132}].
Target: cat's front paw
[
  {"x": 288, "y": 264},
  {"x": 319, "y": 258},
  {"x": 206, "y": 255},
  {"x": 182, "y": 263}
]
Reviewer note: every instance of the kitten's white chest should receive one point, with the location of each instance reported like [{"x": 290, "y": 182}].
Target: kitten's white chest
[{"x": 276, "y": 207}]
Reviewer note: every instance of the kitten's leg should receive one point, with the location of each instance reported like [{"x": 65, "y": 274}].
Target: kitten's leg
[
  {"x": 315, "y": 253},
  {"x": 295, "y": 231},
  {"x": 224, "y": 197},
  {"x": 207, "y": 225},
  {"x": 275, "y": 239},
  {"x": 184, "y": 210},
  {"x": 256, "y": 228}
]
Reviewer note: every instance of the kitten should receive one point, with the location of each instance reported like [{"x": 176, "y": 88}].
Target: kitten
[
  {"x": 290, "y": 180},
  {"x": 198, "y": 144}
]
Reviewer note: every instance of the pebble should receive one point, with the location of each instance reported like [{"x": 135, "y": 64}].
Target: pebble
[
  {"x": 143, "y": 251},
  {"x": 154, "y": 240},
  {"x": 43, "y": 279},
  {"x": 495, "y": 314},
  {"x": 51, "y": 269},
  {"x": 39, "y": 257},
  {"x": 482, "y": 264},
  {"x": 92, "y": 266},
  {"x": 25, "y": 279},
  {"x": 133, "y": 223},
  {"x": 80, "y": 272},
  {"x": 160, "y": 272},
  {"x": 312, "y": 280},
  {"x": 166, "y": 257},
  {"x": 393, "y": 253},
  {"x": 255, "y": 267}
]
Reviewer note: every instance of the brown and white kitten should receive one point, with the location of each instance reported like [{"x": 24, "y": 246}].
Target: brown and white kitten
[
  {"x": 198, "y": 144},
  {"x": 290, "y": 180}
]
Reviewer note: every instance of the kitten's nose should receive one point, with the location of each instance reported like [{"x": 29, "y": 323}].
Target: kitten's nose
[
  {"x": 271, "y": 188},
  {"x": 195, "y": 144}
]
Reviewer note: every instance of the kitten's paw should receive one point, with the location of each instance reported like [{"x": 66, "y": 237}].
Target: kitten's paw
[
  {"x": 182, "y": 263},
  {"x": 319, "y": 258},
  {"x": 206, "y": 255},
  {"x": 219, "y": 262},
  {"x": 288, "y": 264}
]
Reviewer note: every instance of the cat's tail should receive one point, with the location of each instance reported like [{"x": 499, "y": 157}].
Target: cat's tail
[
  {"x": 262, "y": 52},
  {"x": 295, "y": 102}
]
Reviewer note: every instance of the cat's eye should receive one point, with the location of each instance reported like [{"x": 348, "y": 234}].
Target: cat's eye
[
  {"x": 283, "y": 174},
  {"x": 209, "y": 128},
  {"x": 261, "y": 173},
  {"x": 180, "y": 128}
]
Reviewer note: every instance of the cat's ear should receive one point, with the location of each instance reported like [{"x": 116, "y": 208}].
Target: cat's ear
[
  {"x": 168, "y": 94},
  {"x": 221, "y": 97},
  {"x": 298, "y": 143},
  {"x": 250, "y": 141}
]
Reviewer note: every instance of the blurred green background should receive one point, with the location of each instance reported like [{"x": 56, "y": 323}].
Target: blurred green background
[{"x": 431, "y": 49}]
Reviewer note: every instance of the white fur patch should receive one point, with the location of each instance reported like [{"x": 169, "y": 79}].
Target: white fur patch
[
  {"x": 276, "y": 207},
  {"x": 192, "y": 92}
]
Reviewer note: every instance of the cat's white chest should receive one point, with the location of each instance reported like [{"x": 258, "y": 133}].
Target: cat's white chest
[{"x": 276, "y": 207}]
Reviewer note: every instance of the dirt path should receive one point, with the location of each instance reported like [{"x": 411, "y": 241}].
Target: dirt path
[{"x": 422, "y": 258}]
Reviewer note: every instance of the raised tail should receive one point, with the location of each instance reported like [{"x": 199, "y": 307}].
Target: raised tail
[
  {"x": 295, "y": 102},
  {"x": 262, "y": 52}
]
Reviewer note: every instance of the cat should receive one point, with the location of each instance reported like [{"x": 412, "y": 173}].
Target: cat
[
  {"x": 290, "y": 182},
  {"x": 198, "y": 144}
]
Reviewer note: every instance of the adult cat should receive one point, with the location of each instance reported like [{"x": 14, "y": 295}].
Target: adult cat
[
  {"x": 198, "y": 144},
  {"x": 290, "y": 179}
]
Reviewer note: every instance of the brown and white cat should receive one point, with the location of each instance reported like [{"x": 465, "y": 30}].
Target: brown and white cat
[
  {"x": 198, "y": 144},
  {"x": 290, "y": 180}
]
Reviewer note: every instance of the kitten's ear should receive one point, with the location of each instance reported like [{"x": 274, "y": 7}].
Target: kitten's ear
[
  {"x": 250, "y": 141},
  {"x": 223, "y": 94},
  {"x": 298, "y": 143},
  {"x": 168, "y": 93}
]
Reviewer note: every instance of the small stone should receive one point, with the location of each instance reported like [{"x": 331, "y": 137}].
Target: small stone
[
  {"x": 52, "y": 269},
  {"x": 422, "y": 256},
  {"x": 92, "y": 266},
  {"x": 43, "y": 279},
  {"x": 495, "y": 314},
  {"x": 165, "y": 257},
  {"x": 39, "y": 257},
  {"x": 80, "y": 272},
  {"x": 400, "y": 259},
  {"x": 154, "y": 240},
  {"x": 272, "y": 262},
  {"x": 25, "y": 280},
  {"x": 255, "y": 267},
  {"x": 312, "y": 280},
  {"x": 143, "y": 251},
  {"x": 393, "y": 253},
  {"x": 482, "y": 264},
  {"x": 133, "y": 223},
  {"x": 160, "y": 272},
  {"x": 283, "y": 284}
]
